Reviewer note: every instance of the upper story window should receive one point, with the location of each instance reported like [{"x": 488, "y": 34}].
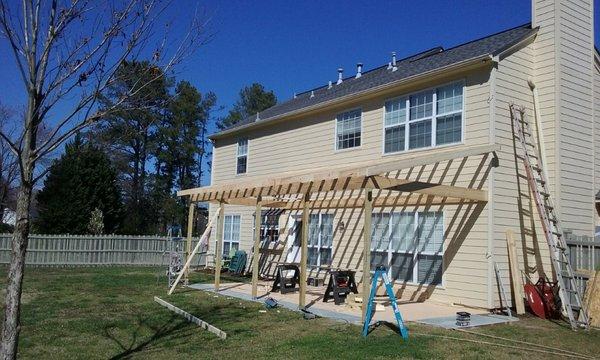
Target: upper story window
[
  {"x": 425, "y": 119},
  {"x": 348, "y": 130},
  {"x": 242, "y": 156}
]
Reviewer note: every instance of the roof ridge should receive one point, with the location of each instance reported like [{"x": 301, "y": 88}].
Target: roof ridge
[{"x": 426, "y": 60}]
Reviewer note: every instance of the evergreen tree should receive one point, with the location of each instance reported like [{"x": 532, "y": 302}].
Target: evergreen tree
[
  {"x": 181, "y": 147},
  {"x": 81, "y": 181},
  {"x": 131, "y": 135},
  {"x": 253, "y": 99}
]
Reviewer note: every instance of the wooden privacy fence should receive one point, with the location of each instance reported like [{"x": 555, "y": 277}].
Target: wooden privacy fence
[
  {"x": 584, "y": 254},
  {"x": 91, "y": 250}
]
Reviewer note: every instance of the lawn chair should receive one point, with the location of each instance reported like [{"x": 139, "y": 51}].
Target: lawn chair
[{"x": 237, "y": 264}]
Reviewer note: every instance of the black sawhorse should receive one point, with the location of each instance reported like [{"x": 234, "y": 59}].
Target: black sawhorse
[
  {"x": 283, "y": 283},
  {"x": 341, "y": 283}
]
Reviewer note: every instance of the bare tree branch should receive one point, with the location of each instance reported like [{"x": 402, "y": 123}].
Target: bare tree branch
[{"x": 67, "y": 54}]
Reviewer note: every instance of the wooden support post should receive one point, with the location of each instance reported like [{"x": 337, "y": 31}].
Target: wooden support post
[
  {"x": 515, "y": 273},
  {"x": 304, "y": 251},
  {"x": 190, "y": 230},
  {"x": 366, "y": 277},
  {"x": 256, "y": 251},
  {"x": 196, "y": 248},
  {"x": 219, "y": 247}
]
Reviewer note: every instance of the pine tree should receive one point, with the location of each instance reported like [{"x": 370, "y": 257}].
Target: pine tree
[
  {"x": 252, "y": 99},
  {"x": 78, "y": 183}
]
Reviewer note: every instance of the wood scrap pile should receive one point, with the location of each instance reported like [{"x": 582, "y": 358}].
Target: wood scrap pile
[{"x": 592, "y": 298}]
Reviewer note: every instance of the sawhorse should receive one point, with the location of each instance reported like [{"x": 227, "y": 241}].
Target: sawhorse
[{"x": 382, "y": 271}]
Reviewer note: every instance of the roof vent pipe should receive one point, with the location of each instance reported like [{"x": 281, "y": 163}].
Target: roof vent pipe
[
  {"x": 359, "y": 70},
  {"x": 340, "y": 75},
  {"x": 330, "y": 85},
  {"x": 394, "y": 67},
  {"x": 257, "y": 116},
  {"x": 312, "y": 94}
]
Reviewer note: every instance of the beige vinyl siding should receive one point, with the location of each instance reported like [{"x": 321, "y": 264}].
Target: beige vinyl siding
[
  {"x": 576, "y": 116},
  {"x": 563, "y": 72},
  {"x": 309, "y": 143},
  {"x": 597, "y": 133},
  {"x": 510, "y": 190},
  {"x": 545, "y": 75}
]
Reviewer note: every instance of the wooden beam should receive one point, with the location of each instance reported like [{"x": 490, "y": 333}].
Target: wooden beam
[
  {"x": 190, "y": 230},
  {"x": 304, "y": 252},
  {"x": 191, "y": 318},
  {"x": 420, "y": 187},
  {"x": 366, "y": 276},
  {"x": 380, "y": 201},
  {"x": 219, "y": 247},
  {"x": 196, "y": 248},
  {"x": 256, "y": 254},
  {"x": 311, "y": 180},
  {"x": 515, "y": 273}
]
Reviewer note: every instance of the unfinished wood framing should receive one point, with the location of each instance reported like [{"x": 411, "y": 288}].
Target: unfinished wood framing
[
  {"x": 304, "y": 253},
  {"x": 256, "y": 249},
  {"x": 370, "y": 174},
  {"x": 219, "y": 247},
  {"x": 191, "y": 318},
  {"x": 190, "y": 230},
  {"x": 380, "y": 180},
  {"x": 366, "y": 277},
  {"x": 196, "y": 248}
]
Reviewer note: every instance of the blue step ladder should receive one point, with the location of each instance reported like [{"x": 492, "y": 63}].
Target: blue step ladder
[{"x": 382, "y": 271}]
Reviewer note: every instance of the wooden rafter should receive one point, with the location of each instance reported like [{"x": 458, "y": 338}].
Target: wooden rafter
[{"x": 366, "y": 175}]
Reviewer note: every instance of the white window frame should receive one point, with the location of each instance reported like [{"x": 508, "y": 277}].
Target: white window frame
[
  {"x": 264, "y": 230},
  {"x": 319, "y": 244},
  {"x": 238, "y": 155},
  {"x": 231, "y": 241},
  {"x": 337, "y": 117},
  {"x": 414, "y": 251},
  {"x": 433, "y": 118}
]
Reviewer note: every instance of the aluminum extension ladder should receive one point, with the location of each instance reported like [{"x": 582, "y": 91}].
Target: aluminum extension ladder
[
  {"x": 538, "y": 183},
  {"x": 382, "y": 271}
]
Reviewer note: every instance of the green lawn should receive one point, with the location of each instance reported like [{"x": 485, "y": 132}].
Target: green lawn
[{"x": 105, "y": 313}]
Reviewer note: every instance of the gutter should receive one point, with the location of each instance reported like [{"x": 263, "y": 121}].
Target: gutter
[{"x": 479, "y": 60}]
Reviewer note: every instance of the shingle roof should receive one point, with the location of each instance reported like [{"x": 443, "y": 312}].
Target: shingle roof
[{"x": 414, "y": 65}]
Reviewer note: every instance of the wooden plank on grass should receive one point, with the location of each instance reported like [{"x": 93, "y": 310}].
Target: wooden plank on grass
[
  {"x": 513, "y": 260},
  {"x": 191, "y": 318}
]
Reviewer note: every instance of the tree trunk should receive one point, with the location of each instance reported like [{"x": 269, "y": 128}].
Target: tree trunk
[{"x": 12, "y": 307}]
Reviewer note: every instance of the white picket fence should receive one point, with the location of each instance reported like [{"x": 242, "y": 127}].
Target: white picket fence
[{"x": 88, "y": 250}]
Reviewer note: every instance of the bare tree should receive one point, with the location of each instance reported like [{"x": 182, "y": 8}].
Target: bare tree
[
  {"x": 8, "y": 162},
  {"x": 67, "y": 54}
]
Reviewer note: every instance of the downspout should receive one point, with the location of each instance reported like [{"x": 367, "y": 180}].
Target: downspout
[
  {"x": 491, "y": 180},
  {"x": 538, "y": 125}
]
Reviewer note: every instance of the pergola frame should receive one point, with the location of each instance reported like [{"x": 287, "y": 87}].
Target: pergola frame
[{"x": 293, "y": 190}]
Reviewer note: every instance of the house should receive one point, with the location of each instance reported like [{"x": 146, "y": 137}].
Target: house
[
  {"x": 421, "y": 153},
  {"x": 9, "y": 217}
]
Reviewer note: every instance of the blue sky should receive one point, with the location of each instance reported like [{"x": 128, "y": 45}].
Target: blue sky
[{"x": 291, "y": 46}]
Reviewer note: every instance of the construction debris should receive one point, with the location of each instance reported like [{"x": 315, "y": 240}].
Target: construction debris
[
  {"x": 191, "y": 318},
  {"x": 592, "y": 298}
]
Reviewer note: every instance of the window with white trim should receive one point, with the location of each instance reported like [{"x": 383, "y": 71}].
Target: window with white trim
[
  {"x": 410, "y": 245},
  {"x": 242, "y": 156},
  {"x": 320, "y": 239},
  {"x": 231, "y": 233},
  {"x": 348, "y": 129},
  {"x": 424, "y": 119},
  {"x": 269, "y": 224}
]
